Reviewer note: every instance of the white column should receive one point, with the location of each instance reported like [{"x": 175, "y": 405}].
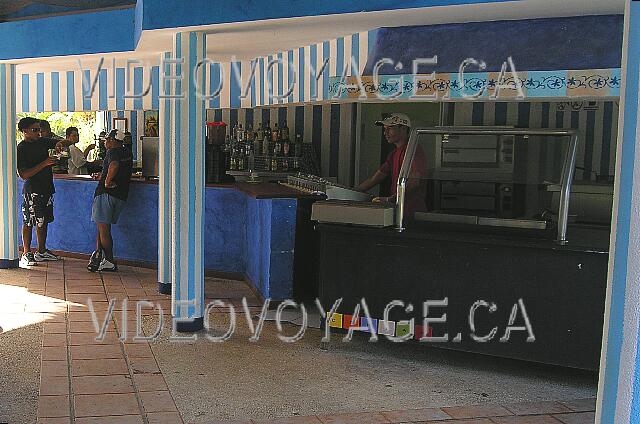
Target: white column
[
  {"x": 8, "y": 168},
  {"x": 619, "y": 384},
  {"x": 165, "y": 140},
  {"x": 187, "y": 185}
]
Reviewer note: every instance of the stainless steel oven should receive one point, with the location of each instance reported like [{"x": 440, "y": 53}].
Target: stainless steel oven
[{"x": 475, "y": 153}]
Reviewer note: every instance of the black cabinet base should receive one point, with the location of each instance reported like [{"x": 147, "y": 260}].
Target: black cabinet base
[
  {"x": 164, "y": 288},
  {"x": 190, "y": 327}
]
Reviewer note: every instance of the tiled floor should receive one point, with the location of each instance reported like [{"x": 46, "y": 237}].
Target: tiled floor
[
  {"x": 117, "y": 379},
  {"x": 85, "y": 380}
]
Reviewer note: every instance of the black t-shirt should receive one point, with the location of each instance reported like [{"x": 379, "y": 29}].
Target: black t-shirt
[
  {"x": 30, "y": 154},
  {"x": 123, "y": 176}
]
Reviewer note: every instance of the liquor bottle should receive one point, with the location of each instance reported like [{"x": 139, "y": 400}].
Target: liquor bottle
[
  {"x": 285, "y": 147},
  {"x": 267, "y": 133},
  {"x": 285, "y": 165},
  {"x": 248, "y": 133},
  {"x": 274, "y": 164},
  {"x": 240, "y": 133},
  {"x": 275, "y": 134},
  {"x": 277, "y": 148},
  {"x": 260, "y": 133},
  {"x": 284, "y": 132},
  {"x": 297, "y": 150},
  {"x": 234, "y": 131}
]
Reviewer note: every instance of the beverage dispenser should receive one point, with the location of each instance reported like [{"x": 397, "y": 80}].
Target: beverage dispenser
[{"x": 215, "y": 156}]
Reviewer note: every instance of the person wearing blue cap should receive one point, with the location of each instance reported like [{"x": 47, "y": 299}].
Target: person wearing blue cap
[{"x": 109, "y": 199}]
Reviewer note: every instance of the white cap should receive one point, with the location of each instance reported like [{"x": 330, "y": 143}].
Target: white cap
[{"x": 395, "y": 119}]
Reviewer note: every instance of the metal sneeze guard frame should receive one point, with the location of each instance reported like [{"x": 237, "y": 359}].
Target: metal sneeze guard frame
[{"x": 568, "y": 167}]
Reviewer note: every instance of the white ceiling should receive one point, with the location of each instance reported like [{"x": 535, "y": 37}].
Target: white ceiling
[{"x": 248, "y": 40}]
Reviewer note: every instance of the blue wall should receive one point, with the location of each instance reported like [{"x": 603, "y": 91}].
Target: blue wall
[
  {"x": 534, "y": 44},
  {"x": 253, "y": 237},
  {"x": 179, "y": 13},
  {"x": 85, "y": 33}
]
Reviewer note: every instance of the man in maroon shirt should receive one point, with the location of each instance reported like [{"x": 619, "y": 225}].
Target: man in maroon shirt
[{"x": 397, "y": 127}]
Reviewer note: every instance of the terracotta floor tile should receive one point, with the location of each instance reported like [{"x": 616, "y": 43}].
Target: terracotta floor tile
[
  {"x": 105, "y": 384},
  {"x": 232, "y": 422},
  {"x": 294, "y": 420},
  {"x": 353, "y": 418},
  {"x": 141, "y": 350},
  {"x": 160, "y": 401},
  {"x": 469, "y": 421},
  {"x": 415, "y": 415},
  {"x": 577, "y": 418},
  {"x": 117, "y": 419},
  {"x": 53, "y": 406},
  {"x": 59, "y": 318},
  {"x": 106, "y": 405},
  {"x": 50, "y": 340},
  {"x": 84, "y": 316},
  {"x": 81, "y": 307},
  {"x": 98, "y": 351},
  {"x": 54, "y": 353},
  {"x": 144, "y": 365},
  {"x": 166, "y": 418},
  {"x": 149, "y": 382},
  {"x": 51, "y": 307},
  {"x": 54, "y": 386},
  {"x": 85, "y": 367},
  {"x": 54, "y": 328},
  {"x": 581, "y": 405},
  {"x": 54, "y": 369},
  {"x": 87, "y": 327},
  {"x": 97, "y": 289},
  {"x": 474, "y": 411},
  {"x": 530, "y": 408},
  {"x": 79, "y": 339},
  {"x": 526, "y": 419},
  {"x": 61, "y": 420},
  {"x": 84, "y": 298}
]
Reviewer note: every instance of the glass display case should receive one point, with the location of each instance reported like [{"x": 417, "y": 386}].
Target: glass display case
[{"x": 489, "y": 177}]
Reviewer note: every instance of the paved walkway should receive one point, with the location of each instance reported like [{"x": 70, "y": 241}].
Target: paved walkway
[{"x": 117, "y": 380}]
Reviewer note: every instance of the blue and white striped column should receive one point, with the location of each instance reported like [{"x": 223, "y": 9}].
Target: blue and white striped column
[
  {"x": 8, "y": 182},
  {"x": 619, "y": 384},
  {"x": 187, "y": 185},
  {"x": 165, "y": 139}
]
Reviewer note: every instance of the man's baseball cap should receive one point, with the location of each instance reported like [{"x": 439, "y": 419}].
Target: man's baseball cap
[
  {"x": 395, "y": 119},
  {"x": 116, "y": 134}
]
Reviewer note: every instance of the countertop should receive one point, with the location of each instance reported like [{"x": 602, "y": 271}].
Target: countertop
[
  {"x": 581, "y": 238},
  {"x": 262, "y": 190}
]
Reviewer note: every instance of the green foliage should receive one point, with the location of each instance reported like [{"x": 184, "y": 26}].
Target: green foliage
[{"x": 86, "y": 123}]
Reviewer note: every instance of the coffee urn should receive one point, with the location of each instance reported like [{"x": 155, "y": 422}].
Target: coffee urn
[{"x": 215, "y": 156}]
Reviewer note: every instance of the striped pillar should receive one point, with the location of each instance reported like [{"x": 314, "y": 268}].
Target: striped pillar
[
  {"x": 165, "y": 138},
  {"x": 187, "y": 182},
  {"x": 619, "y": 383},
  {"x": 8, "y": 169}
]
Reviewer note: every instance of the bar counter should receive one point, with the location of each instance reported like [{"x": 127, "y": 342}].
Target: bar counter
[
  {"x": 249, "y": 228},
  {"x": 562, "y": 287}
]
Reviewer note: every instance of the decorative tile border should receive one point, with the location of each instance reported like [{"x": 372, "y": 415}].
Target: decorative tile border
[
  {"x": 391, "y": 328},
  {"x": 592, "y": 83}
]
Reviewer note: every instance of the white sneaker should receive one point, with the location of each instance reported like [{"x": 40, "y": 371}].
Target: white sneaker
[
  {"x": 27, "y": 260},
  {"x": 45, "y": 256},
  {"x": 106, "y": 265}
]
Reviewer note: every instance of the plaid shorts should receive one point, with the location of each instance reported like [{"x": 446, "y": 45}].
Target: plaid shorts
[{"x": 37, "y": 209}]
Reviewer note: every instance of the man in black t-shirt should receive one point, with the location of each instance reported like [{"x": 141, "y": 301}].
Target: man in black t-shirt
[
  {"x": 34, "y": 166},
  {"x": 109, "y": 199}
]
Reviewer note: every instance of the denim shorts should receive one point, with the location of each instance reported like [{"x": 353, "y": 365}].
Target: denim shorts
[{"x": 106, "y": 209}]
